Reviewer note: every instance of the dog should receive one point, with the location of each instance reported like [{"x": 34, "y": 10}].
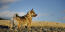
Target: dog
[{"x": 24, "y": 20}]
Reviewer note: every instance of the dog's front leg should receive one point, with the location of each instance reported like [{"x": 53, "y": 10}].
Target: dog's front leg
[{"x": 29, "y": 27}]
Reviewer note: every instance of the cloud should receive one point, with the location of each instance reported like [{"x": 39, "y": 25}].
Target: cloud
[
  {"x": 61, "y": 18},
  {"x": 5, "y": 3},
  {"x": 8, "y": 0},
  {"x": 63, "y": 11},
  {"x": 10, "y": 14},
  {"x": 21, "y": 13},
  {"x": 6, "y": 14},
  {"x": 40, "y": 14}
]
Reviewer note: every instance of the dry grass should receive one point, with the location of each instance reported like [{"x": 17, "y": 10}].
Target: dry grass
[
  {"x": 53, "y": 24},
  {"x": 5, "y": 22},
  {"x": 38, "y": 26},
  {"x": 35, "y": 23}
]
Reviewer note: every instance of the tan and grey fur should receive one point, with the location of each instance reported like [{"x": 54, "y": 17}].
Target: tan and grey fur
[{"x": 25, "y": 20}]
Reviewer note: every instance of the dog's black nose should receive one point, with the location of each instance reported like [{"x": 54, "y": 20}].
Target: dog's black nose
[
  {"x": 36, "y": 14},
  {"x": 25, "y": 26}
]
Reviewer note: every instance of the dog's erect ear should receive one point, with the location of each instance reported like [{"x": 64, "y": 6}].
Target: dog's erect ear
[{"x": 32, "y": 9}]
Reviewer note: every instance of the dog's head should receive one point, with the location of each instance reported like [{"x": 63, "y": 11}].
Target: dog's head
[{"x": 32, "y": 13}]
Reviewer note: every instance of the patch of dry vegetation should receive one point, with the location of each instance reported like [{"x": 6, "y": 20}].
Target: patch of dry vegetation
[
  {"x": 37, "y": 26},
  {"x": 35, "y": 23},
  {"x": 5, "y": 22},
  {"x": 53, "y": 24}
]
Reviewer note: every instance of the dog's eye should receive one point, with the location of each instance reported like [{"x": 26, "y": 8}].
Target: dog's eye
[{"x": 32, "y": 13}]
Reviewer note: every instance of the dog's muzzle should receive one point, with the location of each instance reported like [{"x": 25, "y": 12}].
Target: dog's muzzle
[{"x": 35, "y": 15}]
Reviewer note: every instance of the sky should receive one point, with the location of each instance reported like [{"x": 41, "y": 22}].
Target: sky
[{"x": 46, "y": 10}]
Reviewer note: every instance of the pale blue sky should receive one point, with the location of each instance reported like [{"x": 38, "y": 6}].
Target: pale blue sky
[{"x": 47, "y": 10}]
